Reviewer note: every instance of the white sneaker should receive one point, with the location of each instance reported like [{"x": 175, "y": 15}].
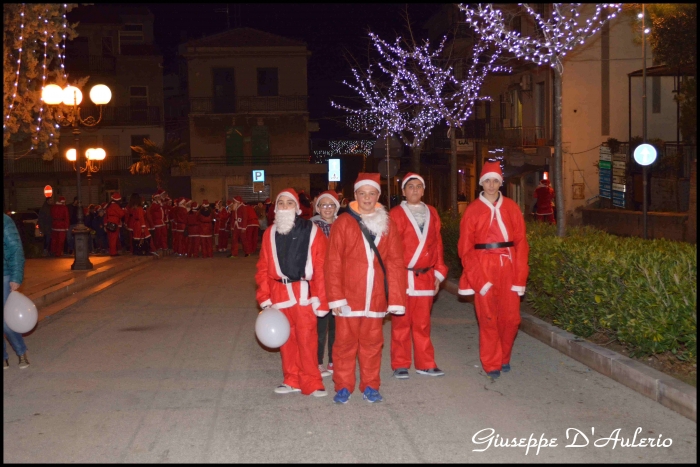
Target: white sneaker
[
  {"x": 286, "y": 389},
  {"x": 323, "y": 371},
  {"x": 319, "y": 393}
]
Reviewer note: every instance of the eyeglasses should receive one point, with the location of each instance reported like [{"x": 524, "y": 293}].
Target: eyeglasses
[{"x": 327, "y": 206}]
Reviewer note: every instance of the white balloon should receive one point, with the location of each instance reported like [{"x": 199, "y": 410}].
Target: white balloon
[
  {"x": 272, "y": 328},
  {"x": 20, "y": 313}
]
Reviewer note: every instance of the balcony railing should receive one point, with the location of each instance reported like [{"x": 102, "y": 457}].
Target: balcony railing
[
  {"x": 259, "y": 161},
  {"x": 81, "y": 64},
  {"x": 493, "y": 132},
  {"x": 35, "y": 164},
  {"x": 124, "y": 115},
  {"x": 248, "y": 104}
]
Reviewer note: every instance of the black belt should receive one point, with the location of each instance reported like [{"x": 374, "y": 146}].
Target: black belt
[
  {"x": 289, "y": 281},
  {"x": 418, "y": 272},
  {"x": 490, "y": 246}
]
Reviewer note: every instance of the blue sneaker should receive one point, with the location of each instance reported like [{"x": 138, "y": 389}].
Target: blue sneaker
[
  {"x": 372, "y": 395},
  {"x": 494, "y": 374},
  {"x": 342, "y": 396},
  {"x": 505, "y": 368}
]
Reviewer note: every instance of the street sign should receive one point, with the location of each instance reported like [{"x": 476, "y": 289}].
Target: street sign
[
  {"x": 645, "y": 154},
  {"x": 258, "y": 187},
  {"x": 258, "y": 176},
  {"x": 333, "y": 170},
  {"x": 464, "y": 146},
  {"x": 618, "y": 187},
  {"x": 618, "y": 199},
  {"x": 605, "y": 156},
  {"x": 619, "y": 165},
  {"x": 48, "y": 191},
  {"x": 605, "y": 164},
  {"x": 619, "y": 157},
  {"x": 618, "y": 180},
  {"x": 619, "y": 172}
]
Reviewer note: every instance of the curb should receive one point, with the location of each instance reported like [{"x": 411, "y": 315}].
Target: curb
[{"x": 662, "y": 388}]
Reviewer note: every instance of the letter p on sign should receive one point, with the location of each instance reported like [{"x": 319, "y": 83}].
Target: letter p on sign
[{"x": 48, "y": 191}]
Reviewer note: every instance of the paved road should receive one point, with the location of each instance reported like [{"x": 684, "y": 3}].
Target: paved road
[{"x": 165, "y": 367}]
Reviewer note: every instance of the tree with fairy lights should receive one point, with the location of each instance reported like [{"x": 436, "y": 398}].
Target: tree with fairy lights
[
  {"x": 34, "y": 38},
  {"x": 557, "y": 35}
]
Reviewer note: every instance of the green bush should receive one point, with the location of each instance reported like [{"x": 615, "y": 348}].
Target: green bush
[{"x": 641, "y": 293}]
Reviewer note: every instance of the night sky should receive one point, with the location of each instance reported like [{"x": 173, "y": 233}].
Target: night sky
[{"x": 328, "y": 30}]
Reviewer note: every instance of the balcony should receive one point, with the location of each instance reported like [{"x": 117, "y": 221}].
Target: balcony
[
  {"x": 90, "y": 64},
  {"x": 248, "y": 104},
  {"x": 493, "y": 132},
  {"x": 36, "y": 165},
  {"x": 124, "y": 115},
  {"x": 257, "y": 161}
]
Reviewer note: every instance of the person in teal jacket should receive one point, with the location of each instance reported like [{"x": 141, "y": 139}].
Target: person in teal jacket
[{"x": 12, "y": 275}]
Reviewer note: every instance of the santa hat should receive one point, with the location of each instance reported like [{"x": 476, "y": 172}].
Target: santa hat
[
  {"x": 61, "y": 200},
  {"x": 181, "y": 201},
  {"x": 238, "y": 199},
  {"x": 291, "y": 193},
  {"x": 194, "y": 206},
  {"x": 267, "y": 201},
  {"x": 328, "y": 194},
  {"x": 205, "y": 203},
  {"x": 158, "y": 194},
  {"x": 188, "y": 201},
  {"x": 491, "y": 170},
  {"x": 545, "y": 182},
  {"x": 103, "y": 206},
  {"x": 116, "y": 197},
  {"x": 409, "y": 176},
  {"x": 372, "y": 179}
]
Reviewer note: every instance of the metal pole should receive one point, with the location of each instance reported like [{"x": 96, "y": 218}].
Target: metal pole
[
  {"x": 644, "y": 118},
  {"x": 388, "y": 177},
  {"x": 81, "y": 232}
]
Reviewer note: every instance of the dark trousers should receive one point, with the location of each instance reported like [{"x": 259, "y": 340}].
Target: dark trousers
[{"x": 323, "y": 324}]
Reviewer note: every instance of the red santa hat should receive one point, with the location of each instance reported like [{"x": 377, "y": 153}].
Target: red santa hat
[
  {"x": 194, "y": 206},
  {"x": 409, "y": 176},
  {"x": 267, "y": 201},
  {"x": 238, "y": 199},
  {"x": 328, "y": 194},
  {"x": 181, "y": 201},
  {"x": 103, "y": 206},
  {"x": 372, "y": 179},
  {"x": 116, "y": 197},
  {"x": 205, "y": 203},
  {"x": 491, "y": 170},
  {"x": 544, "y": 182},
  {"x": 291, "y": 193},
  {"x": 61, "y": 200}
]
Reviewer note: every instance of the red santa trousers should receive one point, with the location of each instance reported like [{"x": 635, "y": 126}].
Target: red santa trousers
[
  {"x": 223, "y": 239},
  {"x": 177, "y": 240},
  {"x": 299, "y": 362},
  {"x": 238, "y": 236},
  {"x": 58, "y": 241},
  {"x": 252, "y": 239},
  {"x": 498, "y": 313},
  {"x": 207, "y": 251},
  {"x": 130, "y": 239},
  {"x": 415, "y": 323},
  {"x": 357, "y": 337},
  {"x": 194, "y": 246},
  {"x": 161, "y": 238},
  {"x": 113, "y": 239}
]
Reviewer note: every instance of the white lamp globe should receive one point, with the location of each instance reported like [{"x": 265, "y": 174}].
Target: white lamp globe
[
  {"x": 98, "y": 154},
  {"x": 52, "y": 94},
  {"x": 71, "y": 155},
  {"x": 72, "y": 96},
  {"x": 100, "y": 94},
  {"x": 89, "y": 153}
]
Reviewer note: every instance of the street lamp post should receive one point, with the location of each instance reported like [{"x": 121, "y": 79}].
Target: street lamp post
[{"x": 71, "y": 97}]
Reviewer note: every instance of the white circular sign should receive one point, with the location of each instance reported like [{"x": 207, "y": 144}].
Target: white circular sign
[{"x": 645, "y": 154}]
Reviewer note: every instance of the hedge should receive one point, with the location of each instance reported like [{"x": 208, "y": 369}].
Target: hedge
[{"x": 641, "y": 293}]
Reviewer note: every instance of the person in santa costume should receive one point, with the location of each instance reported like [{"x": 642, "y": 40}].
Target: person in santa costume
[
  {"x": 544, "y": 202},
  {"x": 239, "y": 222},
  {"x": 222, "y": 216},
  {"x": 419, "y": 227},
  {"x": 206, "y": 229},
  {"x": 60, "y": 221},
  {"x": 193, "y": 231},
  {"x": 179, "y": 225},
  {"x": 252, "y": 231},
  {"x": 158, "y": 217},
  {"x": 114, "y": 214},
  {"x": 326, "y": 206},
  {"x": 137, "y": 225},
  {"x": 361, "y": 290},
  {"x": 494, "y": 252},
  {"x": 290, "y": 278}
]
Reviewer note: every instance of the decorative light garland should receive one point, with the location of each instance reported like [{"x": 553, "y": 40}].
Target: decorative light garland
[
  {"x": 559, "y": 35},
  {"x": 19, "y": 62}
]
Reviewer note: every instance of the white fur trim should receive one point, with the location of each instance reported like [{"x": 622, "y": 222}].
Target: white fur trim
[
  {"x": 518, "y": 288},
  {"x": 368, "y": 182},
  {"x": 403, "y": 184},
  {"x": 335, "y": 201},
  {"x": 488, "y": 175},
  {"x": 378, "y": 222},
  {"x": 485, "y": 289},
  {"x": 266, "y": 303},
  {"x": 439, "y": 276},
  {"x": 396, "y": 309},
  {"x": 289, "y": 195},
  {"x": 465, "y": 292},
  {"x": 338, "y": 303}
]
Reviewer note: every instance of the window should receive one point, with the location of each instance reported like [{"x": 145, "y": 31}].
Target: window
[
  {"x": 224, "y": 90},
  {"x": 267, "y": 82},
  {"x": 107, "y": 47},
  {"x": 131, "y": 34},
  {"x": 138, "y": 103},
  {"x": 137, "y": 140},
  {"x": 656, "y": 94},
  {"x": 110, "y": 143}
]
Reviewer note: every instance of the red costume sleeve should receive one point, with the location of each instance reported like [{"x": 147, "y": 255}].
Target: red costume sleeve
[
  {"x": 473, "y": 277},
  {"x": 317, "y": 285},
  {"x": 440, "y": 266},
  {"x": 395, "y": 270},
  {"x": 261, "y": 276}
]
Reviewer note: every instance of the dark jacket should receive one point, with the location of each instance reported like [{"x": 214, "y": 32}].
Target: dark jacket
[
  {"x": 13, "y": 254},
  {"x": 45, "y": 218}
]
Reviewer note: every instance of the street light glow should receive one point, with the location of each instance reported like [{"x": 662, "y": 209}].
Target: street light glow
[
  {"x": 72, "y": 95},
  {"x": 100, "y": 94},
  {"x": 71, "y": 155},
  {"x": 52, "y": 94}
]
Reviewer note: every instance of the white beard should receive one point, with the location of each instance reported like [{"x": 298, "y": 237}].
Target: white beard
[
  {"x": 377, "y": 222},
  {"x": 284, "y": 220}
]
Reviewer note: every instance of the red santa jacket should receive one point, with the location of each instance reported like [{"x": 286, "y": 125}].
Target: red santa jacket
[
  {"x": 252, "y": 217},
  {"x": 421, "y": 249},
  {"x": 157, "y": 214},
  {"x": 239, "y": 217},
  {"x": 222, "y": 219},
  {"x": 180, "y": 219},
  {"x": 310, "y": 291},
  {"x": 193, "y": 228},
  {"x": 206, "y": 228},
  {"x": 474, "y": 228},
  {"x": 544, "y": 194},
  {"x": 354, "y": 278},
  {"x": 60, "y": 219},
  {"x": 137, "y": 222},
  {"x": 114, "y": 213}
]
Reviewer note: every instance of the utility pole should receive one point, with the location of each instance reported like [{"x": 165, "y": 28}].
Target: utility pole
[{"x": 644, "y": 117}]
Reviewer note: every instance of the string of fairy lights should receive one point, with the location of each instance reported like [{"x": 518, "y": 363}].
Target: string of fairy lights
[
  {"x": 558, "y": 34},
  {"x": 19, "y": 63},
  {"x": 340, "y": 147}
]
